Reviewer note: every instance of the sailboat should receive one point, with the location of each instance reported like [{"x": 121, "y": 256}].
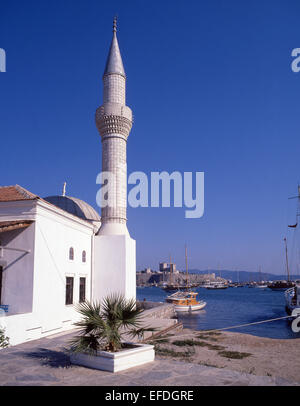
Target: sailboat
[
  {"x": 171, "y": 286},
  {"x": 261, "y": 284},
  {"x": 292, "y": 295},
  {"x": 284, "y": 285},
  {"x": 186, "y": 301},
  {"x": 238, "y": 284}
]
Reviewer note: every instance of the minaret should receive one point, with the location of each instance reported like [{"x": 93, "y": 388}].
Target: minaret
[
  {"x": 114, "y": 121},
  {"x": 114, "y": 249}
]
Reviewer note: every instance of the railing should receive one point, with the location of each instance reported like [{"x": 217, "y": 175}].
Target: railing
[
  {"x": 289, "y": 294},
  {"x": 292, "y": 298},
  {"x": 4, "y": 307}
]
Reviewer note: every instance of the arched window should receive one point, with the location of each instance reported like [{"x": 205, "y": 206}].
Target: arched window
[
  {"x": 71, "y": 254},
  {"x": 83, "y": 256}
]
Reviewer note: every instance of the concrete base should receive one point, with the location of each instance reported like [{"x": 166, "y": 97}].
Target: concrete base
[
  {"x": 113, "y": 229},
  {"x": 116, "y": 361},
  {"x": 115, "y": 266}
]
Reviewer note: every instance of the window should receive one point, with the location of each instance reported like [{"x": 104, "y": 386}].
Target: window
[
  {"x": 83, "y": 256},
  {"x": 69, "y": 290},
  {"x": 82, "y": 290},
  {"x": 1, "y": 272},
  {"x": 71, "y": 254}
]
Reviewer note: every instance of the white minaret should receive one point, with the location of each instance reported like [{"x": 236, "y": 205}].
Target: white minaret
[
  {"x": 114, "y": 121},
  {"x": 115, "y": 252}
]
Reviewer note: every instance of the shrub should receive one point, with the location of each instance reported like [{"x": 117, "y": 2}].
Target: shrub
[
  {"x": 103, "y": 325},
  {"x": 4, "y": 341}
]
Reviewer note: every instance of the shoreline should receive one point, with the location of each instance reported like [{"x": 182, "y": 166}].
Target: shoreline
[{"x": 234, "y": 351}]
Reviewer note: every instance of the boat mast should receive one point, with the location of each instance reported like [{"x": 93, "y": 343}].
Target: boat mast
[
  {"x": 298, "y": 208},
  {"x": 286, "y": 259},
  {"x": 171, "y": 272},
  {"x": 186, "y": 267},
  {"x": 259, "y": 273}
]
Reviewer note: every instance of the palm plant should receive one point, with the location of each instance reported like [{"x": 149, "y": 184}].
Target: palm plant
[
  {"x": 103, "y": 325},
  {"x": 4, "y": 341}
]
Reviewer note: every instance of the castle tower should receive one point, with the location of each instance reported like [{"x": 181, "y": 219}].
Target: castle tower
[
  {"x": 115, "y": 251},
  {"x": 114, "y": 121}
]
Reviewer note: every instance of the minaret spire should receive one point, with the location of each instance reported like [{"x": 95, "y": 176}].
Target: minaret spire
[{"x": 114, "y": 63}]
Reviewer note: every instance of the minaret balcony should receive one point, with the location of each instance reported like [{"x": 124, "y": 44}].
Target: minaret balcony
[
  {"x": 114, "y": 109},
  {"x": 111, "y": 124}
]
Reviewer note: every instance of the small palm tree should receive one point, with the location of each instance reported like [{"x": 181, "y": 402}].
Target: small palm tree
[
  {"x": 103, "y": 325},
  {"x": 4, "y": 341}
]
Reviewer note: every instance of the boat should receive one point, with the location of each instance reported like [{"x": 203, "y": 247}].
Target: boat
[
  {"x": 216, "y": 285},
  {"x": 292, "y": 298},
  {"x": 283, "y": 284},
  {"x": 170, "y": 288},
  {"x": 235, "y": 284},
  {"x": 261, "y": 284},
  {"x": 185, "y": 301},
  {"x": 288, "y": 284}
]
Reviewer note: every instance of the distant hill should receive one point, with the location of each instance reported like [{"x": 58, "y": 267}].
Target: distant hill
[{"x": 244, "y": 276}]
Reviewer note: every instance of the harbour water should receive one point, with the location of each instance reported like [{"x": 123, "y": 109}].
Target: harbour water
[{"x": 231, "y": 307}]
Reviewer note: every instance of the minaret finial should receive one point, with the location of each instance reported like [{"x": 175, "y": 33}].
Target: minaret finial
[
  {"x": 64, "y": 189},
  {"x": 115, "y": 24},
  {"x": 114, "y": 62}
]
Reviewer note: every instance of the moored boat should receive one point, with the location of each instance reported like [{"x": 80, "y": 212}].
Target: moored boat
[
  {"x": 171, "y": 288},
  {"x": 186, "y": 301},
  {"x": 281, "y": 285},
  {"x": 216, "y": 285},
  {"x": 261, "y": 285}
]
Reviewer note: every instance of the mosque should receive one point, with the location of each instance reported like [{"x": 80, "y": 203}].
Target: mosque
[{"x": 57, "y": 251}]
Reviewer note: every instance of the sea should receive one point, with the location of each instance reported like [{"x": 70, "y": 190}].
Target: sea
[{"x": 231, "y": 307}]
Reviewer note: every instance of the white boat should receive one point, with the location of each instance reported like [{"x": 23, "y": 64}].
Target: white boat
[
  {"x": 262, "y": 286},
  {"x": 190, "y": 308},
  {"x": 186, "y": 301},
  {"x": 216, "y": 285}
]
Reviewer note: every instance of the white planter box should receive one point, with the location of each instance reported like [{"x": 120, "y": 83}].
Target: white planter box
[{"x": 115, "y": 361}]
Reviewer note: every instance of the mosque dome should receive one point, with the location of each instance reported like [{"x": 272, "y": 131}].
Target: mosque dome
[{"x": 74, "y": 206}]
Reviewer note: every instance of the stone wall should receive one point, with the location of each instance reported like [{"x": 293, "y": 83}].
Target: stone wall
[
  {"x": 160, "y": 311},
  {"x": 145, "y": 278}
]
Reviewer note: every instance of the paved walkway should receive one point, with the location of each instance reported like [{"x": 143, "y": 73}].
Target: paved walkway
[{"x": 44, "y": 362}]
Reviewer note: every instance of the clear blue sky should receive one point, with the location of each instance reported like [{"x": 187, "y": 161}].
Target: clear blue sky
[{"x": 211, "y": 89}]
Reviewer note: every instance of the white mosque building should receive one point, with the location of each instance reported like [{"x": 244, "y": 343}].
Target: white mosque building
[{"x": 56, "y": 251}]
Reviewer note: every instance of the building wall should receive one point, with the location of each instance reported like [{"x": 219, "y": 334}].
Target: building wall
[
  {"x": 18, "y": 266},
  {"x": 54, "y": 236},
  {"x": 115, "y": 266},
  {"x": 39, "y": 285},
  {"x": 17, "y": 282}
]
